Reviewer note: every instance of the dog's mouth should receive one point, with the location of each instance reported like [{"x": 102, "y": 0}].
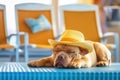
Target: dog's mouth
[{"x": 59, "y": 64}]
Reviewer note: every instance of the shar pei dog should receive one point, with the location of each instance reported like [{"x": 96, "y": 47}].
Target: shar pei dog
[{"x": 73, "y": 51}]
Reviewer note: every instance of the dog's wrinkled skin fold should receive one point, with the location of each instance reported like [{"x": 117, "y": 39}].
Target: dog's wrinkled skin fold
[{"x": 66, "y": 56}]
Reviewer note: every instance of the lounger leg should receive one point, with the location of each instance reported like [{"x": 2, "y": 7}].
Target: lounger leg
[
  {"x": 17, "y": 55},
  {"x": 26, "y": 53},
  {"x": 26, "y": 48}
]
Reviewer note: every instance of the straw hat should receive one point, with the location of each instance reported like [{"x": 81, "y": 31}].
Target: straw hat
[{"x": 74, "y": 38}]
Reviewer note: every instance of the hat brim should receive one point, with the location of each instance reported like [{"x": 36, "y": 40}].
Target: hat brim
[{"x": 84, "y": 44}]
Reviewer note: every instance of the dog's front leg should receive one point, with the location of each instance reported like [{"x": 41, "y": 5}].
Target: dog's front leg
[
  {"x": 79, "y": 63},
  {"x": 45, "y": 62}
]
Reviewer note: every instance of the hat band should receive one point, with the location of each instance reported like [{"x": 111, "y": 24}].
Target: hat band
[{"x": 69, "y": 40}]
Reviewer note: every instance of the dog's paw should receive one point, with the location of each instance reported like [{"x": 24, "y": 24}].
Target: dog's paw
[
  {"x": 33, "y": 64},
  {"x": 75, "y": 65},
  {"x": 102, "y": 64}
]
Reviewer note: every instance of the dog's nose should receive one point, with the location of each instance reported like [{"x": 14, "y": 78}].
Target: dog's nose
[{"x": 60, "y": 57}]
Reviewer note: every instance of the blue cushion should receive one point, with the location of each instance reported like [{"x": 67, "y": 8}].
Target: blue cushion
[{"x": 39, "y": 24}]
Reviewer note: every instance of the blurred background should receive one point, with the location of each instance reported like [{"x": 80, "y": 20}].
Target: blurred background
[{"x": 109, "y": 12}]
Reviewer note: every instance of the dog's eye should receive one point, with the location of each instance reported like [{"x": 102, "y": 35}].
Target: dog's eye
[
  {"x": 57, "y": 50},
  {"x": 70, "y": 51},
  {"x": 83, "y": 51}
]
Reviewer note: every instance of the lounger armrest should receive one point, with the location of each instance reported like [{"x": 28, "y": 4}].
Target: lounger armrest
[
  {"x": 25, "y": 37},
  {"x": 58, "y": 37},
  {"x": 17, "y": 35},
  {"x": 114, "y": 35}
]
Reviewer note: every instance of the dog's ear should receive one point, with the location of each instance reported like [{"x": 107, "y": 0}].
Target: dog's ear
[{"x": 83, "y": 51}]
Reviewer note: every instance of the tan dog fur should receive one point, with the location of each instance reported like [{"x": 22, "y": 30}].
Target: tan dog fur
[{"x": 75, "y": 57}]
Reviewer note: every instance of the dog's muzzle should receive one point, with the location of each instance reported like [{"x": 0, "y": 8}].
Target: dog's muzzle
[{"x": 60, "y": 61}]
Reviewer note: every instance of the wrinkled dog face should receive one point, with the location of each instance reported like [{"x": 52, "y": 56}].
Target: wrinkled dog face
[{"x": 65, "y": 54}]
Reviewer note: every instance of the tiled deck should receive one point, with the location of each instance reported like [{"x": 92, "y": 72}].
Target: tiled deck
[{"x": 20, "y": 71}]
